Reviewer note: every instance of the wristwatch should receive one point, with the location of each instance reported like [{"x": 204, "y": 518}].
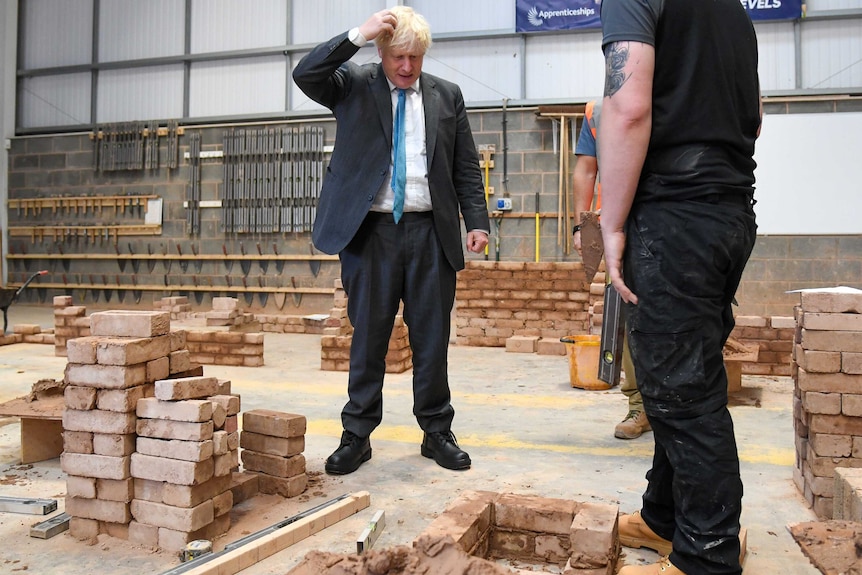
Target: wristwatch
[{"x": 576, "y": 229}]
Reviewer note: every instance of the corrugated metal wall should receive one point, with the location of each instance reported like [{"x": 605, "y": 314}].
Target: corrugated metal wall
[{"x": 225, "y": 83}]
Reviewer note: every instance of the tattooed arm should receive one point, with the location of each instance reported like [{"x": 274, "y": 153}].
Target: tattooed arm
[{"x": 624, "y": 138}]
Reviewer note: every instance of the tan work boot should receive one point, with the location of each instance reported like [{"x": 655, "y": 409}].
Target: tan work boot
[
  {"x": 635, "y": 533},
  {"x": 633, "y": 426},
  {"x": 663, "y": 567}
]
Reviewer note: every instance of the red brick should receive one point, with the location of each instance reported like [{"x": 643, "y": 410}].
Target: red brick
[
  {"x": 831, "y": 302},
  {"x": 851, "y": 363},
  {"x": 818, "y": 361},
  {"x": 827, "y": 445},
  {"x": 825, "y": 403}
]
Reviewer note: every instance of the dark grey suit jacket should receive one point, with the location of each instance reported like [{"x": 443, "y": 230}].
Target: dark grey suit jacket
[{"x": 359, "y": 97}]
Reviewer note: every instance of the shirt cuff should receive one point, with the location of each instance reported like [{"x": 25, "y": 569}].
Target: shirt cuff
[{"x": 356, "y": 37}]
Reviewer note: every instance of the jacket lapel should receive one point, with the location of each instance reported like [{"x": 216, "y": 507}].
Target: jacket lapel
[
  {"x": 380, "y": 90},
  {"x": 431, "y": 101}
]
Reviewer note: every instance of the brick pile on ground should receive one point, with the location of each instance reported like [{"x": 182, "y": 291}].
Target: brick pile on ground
[
  {"x": 183, "y": 462},
  {"x": 70, "y": 322},
  {"x": 226, "y": 312},
  {"x": 106, "y": 375},
  {"x": 225, "y": 348},
  {"x": 272, "y": 444},
  {"x": 773, "y": 337},
  {"x": 338, "y": 335},
  {"x": 827, "y": 374},
  {"x": 27, "y": 333},
  {"x": 178, "y": 306}
]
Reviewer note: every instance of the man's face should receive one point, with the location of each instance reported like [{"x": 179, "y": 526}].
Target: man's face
[{"x": 401, "y": 66}]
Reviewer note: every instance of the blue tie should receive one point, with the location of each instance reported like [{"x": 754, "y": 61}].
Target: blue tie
[{"x": 399, "y": 159}]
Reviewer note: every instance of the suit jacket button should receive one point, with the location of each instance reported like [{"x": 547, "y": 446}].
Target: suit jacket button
[{"x": 370, "y": 198}]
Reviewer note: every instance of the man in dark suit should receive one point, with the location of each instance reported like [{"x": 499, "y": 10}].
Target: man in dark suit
[{"x": 403, "y": 167}]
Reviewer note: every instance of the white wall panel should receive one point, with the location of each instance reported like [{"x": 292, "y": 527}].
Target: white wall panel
[
  {"x": 54, "y": 100},
  {"x": 314, "y": 21},
  {"x": 565, "y": 66},
  {"x": 776, "y": 56},
  {"x": 832, "y": 54},
  {"x": 486, "y": 70},
  {"x": 459, "y": 16},
  {"x": 140, "y": 94},
  {"x": 244, "y": 86},
  {"x": 221, "y": 25},
  {"x": 56, "y": 32},
  {"x": 131, "y": 29},
  {"x": 815, "y": 5}
]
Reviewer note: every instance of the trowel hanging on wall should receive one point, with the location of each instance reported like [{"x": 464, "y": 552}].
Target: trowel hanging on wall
[{"x": 314, "y": 264}]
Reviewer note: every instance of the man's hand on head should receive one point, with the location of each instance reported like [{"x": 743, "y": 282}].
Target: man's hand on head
[{"x": 379, "y": 22}]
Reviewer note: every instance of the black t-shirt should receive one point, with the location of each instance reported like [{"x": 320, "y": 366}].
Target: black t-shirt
[{"x": 706, "y": 93}]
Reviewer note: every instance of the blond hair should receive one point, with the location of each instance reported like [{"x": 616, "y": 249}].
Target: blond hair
[{"x": 411, "y": 34}]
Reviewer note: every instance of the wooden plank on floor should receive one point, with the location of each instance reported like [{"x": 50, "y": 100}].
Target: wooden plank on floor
[{"x": 232, "y": 560}]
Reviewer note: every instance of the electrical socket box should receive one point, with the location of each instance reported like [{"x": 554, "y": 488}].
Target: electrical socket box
[{"x": 504, "y": 204}]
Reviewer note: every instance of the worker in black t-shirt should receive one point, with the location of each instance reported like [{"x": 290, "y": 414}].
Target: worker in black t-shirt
[{"x": 680, "y": 115}]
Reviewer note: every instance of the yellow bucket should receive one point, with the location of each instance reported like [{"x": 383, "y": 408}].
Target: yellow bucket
[{"x": 583, "y": 354}]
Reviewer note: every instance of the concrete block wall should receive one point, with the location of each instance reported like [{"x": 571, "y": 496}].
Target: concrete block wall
[
  {"x": 498, "y": 300},
  {"x": 62, "y": 165},
  {"x": 827, "y": 403}
]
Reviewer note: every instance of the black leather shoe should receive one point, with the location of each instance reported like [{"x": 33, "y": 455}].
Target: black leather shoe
[
  {"x": 353, "y": 452},
  {"x": 442, "y": 447}
]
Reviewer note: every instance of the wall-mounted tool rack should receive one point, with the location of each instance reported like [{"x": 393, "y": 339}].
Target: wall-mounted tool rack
[
  {"x": 134, "y": 146},
  {"x": 90, "y": 234},
  {"x": 81, "y": 204},
  {"x": 184, "y": 257}
]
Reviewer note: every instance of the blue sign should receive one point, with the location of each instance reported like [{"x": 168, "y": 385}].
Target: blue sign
[
  {"x": 551, "y": 15},
  {"x": 556, "y": 15},
  {"x": 773, "y": 9}
]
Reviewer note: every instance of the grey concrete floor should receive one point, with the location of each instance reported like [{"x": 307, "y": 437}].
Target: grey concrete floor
[{"x": 527, "y": 430}]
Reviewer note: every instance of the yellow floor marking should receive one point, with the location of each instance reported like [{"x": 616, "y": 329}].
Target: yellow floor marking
[{"x": 411, "y": 434}]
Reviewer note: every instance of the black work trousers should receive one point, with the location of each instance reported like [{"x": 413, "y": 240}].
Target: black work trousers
[
  {"x": 386, "y": 264},
  {"x": 684, "y": 260}
]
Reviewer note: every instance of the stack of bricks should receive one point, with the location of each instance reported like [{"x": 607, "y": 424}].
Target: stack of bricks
[
  {"x": 70, "y": 322},
  {"x": 498, "y": 300},
  {"x": 183, "y": 463},
  {"x": 773, "y": 337},
  {"x": 272, "y": 444},
  {"x": 178, "y": 306},
  {"x": 225, "y": 348},
  {"x": 226, "y": 312},
  {"x": 107, "y": 374},
  {"x": 827, "y": 405},
  {"x": 338, "y": 335},
  {"x": 27, "y": 333},
  {"x": 313, "y": 323}
]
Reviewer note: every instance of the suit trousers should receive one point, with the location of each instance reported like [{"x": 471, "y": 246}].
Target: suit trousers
[
  {"x": 684, "y": 260},
  {"x": 386, "y": 264}
]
